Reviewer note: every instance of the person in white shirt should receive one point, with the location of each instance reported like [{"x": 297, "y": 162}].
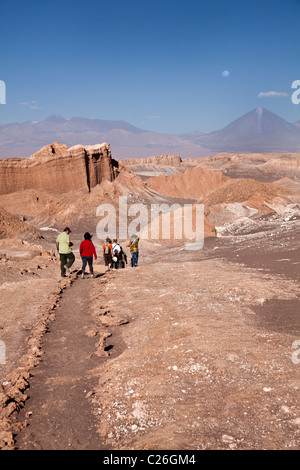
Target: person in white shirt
[{"x": 116, "y": 252}]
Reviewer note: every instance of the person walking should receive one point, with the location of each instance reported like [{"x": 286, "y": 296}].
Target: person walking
[
  {"x": 107, "y": 254},
  {"x": 122, "y": 259},
  {"x": 134, "y": 250},
  {"x": 63, "y": 246},
  {"x": 116, "y": 249},
  {"x": 87, "y": 251}
]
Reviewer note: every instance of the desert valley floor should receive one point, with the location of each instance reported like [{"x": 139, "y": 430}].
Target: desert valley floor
[
  {"x": 183, "y": 352},
  {"x": 191, "y": 350}
]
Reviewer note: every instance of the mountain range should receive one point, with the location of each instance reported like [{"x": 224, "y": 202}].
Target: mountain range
[{"x": 260, "y": 130}]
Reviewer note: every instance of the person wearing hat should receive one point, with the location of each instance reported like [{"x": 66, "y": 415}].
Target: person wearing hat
[
  {"x": 87, "y": 251},
  {"x": 63, "y": 246},
  {"x": 134, "y": 250}
]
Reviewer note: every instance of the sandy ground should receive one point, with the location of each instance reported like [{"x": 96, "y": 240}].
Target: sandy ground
[
  {"x": 188, "y": 351},
  {"x": 28, "y": 276},
  {"x": 199, "y": 369}
]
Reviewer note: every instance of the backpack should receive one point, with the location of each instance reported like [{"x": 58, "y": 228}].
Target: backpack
[
  {"x": 116, "y": 250},
  {"x": 106, "y": 249},
  {"x": 134, "y": 246}
]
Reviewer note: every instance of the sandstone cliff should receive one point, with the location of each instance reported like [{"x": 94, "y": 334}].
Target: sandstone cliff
[{"x": 58, "y": 169}]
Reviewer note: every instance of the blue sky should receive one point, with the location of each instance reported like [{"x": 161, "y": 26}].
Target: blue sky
[{"x": 155, "y": 64}]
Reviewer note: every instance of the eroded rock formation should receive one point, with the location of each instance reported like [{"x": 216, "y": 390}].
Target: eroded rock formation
[
  {"x": 11, "y": 225},
  {"x": 163, "y": 160},
  {"x": 58, "y": 169}
]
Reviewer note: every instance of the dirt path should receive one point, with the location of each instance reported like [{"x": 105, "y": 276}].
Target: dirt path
[
  {"x": 58, "y": 413},
  {"x": 174, "y": 354}
]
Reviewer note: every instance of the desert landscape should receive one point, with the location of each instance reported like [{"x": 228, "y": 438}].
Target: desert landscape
[{"x": 195, "y": 349}]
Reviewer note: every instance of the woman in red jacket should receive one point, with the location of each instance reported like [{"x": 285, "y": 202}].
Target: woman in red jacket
[{"x": 87, "y": 251}]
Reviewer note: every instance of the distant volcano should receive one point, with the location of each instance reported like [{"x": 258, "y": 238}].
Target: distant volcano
[
  {"x": 259, "y": 122},
  {"x": 259, "y": 130}
]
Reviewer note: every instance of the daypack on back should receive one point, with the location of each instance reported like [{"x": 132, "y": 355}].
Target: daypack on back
[
  {"x": 106, "y": 249},
  {"x": 134, "y": 245}
]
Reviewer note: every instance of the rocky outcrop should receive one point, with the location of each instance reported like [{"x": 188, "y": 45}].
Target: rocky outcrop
[
  {"x": 265, "y": 167},
  {"x": 240, "y": 200},
  {"x": 58, "y": 169},
  {"x": 12, "y": 226},
  {"x": 162, "y": 160}
]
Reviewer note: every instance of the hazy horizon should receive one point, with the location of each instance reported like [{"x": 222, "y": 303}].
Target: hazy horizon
[
  {"x": 259, "y": 130},
  {"x": 68, "y": 118}
]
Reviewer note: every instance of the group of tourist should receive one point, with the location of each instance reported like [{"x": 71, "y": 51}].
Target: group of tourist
[{"x": 113, "y": 254}]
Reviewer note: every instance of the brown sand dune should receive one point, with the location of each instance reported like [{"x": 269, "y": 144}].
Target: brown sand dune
[
  {"x": 193, "y": 183},
  {"x": 289, "y": 183},
  {"x": 241, "y": 190}
]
